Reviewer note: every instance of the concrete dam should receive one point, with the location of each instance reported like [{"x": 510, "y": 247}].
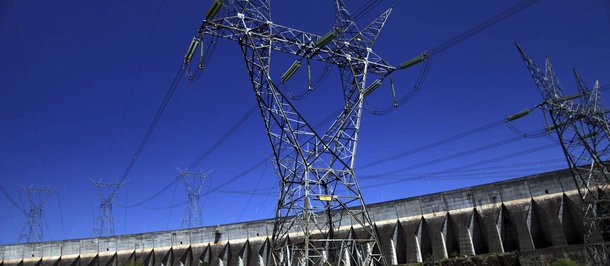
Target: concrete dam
[{"x": 530, "y": 220}]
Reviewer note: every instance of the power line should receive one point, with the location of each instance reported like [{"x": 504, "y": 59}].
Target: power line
[
  {"x": 61, "y": 215},
  {"x": 446, "y": 45},
  {"x": 199, "y": 159},
  {"x": 156, "y": 194},
  {"x": 171, "y": 209},
  {"x": 241, "y": 174},
  {"x": 224, "y": 136},
  {"x": 366, "y": 8},
  {"x": 246, "y": 207},
  {"x": 436, "y": 143},
  {"x": 325, "y": 120},
  {"x": 153, "y": 123},
  {"x": 484, "y": 162},
  {"x": 458, "y": 174},
  {"x": 174, "y": 181},
  {"x": 538, "y": 33},
  {"x": 423, "y": 148},
  {"x": 482, "y": 26},
  {"x": 444, "y": 174},
  {"x": 220, "y": 141},
  {"x": 164, "y": 207},
  {"x": 12, "y": 201},
  {"x": 138, "y": 72},
  {"x": 459, "y": 154}
]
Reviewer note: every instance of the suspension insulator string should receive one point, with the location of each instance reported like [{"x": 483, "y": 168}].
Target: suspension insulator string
[
  {"x": 393, "y": 92},
  {"x": 201, "y": 57},
  {"x": 191, "y": 50},
  {"x": 308, "y": 75},
  {"x": 291, "y": 71},
  {"x": 405, "y": 98}
]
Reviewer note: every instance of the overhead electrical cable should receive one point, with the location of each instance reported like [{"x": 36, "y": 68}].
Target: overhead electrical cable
[
  {"x": 156, "y": 194},
  {"x": 426, "y": 56},
  {"x": 436, "y": 143},
  {"x": 153, "y": 123},
  {"x": 12, "y": 201},
  {"x": 444, "y": 174},
  {"x": 46, "y": 225},
  {"x": 164, "y": 207},
  {"x": 217, "y": 188},
  {"x": 136, "y": 76},
  {"x": 484, "y": 162},
  {"x": 475, "y": 172},
  {"x": 199, "y": 159},
  {"x": 325, "y": 120},
  {"x": 171, "y": 209},
  {"x": 224, "y": 136},
  {"x": 482, "y": 26},
  {"x": 240, "y": 175},
  {"x": 511, "y": 45},
  {"x": 366, "y": 8},
  {"x": 61, "y": 215},
  {"x": 247, "y": 205},
  {"x": 459, "y": 154}
]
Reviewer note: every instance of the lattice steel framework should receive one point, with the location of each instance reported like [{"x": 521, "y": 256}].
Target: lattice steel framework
[
  {"x": 105, "y": 218},
  {"x": 32, "y": 229},
  {"x": 319, "y": 197},
  {"x": 193, "y": 183},
  {"x": 583, "y": 132}
]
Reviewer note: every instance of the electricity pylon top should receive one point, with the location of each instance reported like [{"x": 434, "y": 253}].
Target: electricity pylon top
[
  {"x": 32, "y": 229},
  {"x": 583, "y": 133},
  {"x": 193, "y": 184},
  {"x": 321, "y": 217},
  {"x": 105, "y": 218}
]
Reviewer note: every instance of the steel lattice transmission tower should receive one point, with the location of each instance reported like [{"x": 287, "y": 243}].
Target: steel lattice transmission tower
[
  {"x": 584, "y": 135},
  {"x": 105, "y": 219},
  {"x": 32, "y": 229},
  {"x": 320, "y": 199},
  {"x": 193, "y": 183}
]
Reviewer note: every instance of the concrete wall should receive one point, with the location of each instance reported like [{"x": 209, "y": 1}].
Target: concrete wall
[{"x": 527, "y": 214}]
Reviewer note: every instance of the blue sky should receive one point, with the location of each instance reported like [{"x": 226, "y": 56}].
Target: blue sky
[{"x": 81, "y": 81}]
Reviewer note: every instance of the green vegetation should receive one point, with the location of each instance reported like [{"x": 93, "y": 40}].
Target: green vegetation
[
  {"x": 134, "y": 263},
  {"x": 565, "y": 262},
  {"x": 501, "y": 259}
]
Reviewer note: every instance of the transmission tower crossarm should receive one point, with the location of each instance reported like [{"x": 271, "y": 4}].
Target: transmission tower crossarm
[{"x": 299, "y": 43}]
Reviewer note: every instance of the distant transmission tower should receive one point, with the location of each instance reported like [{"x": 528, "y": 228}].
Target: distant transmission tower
[
  {"x": 32, "y": 229},
  {"x": 105, "y": 221},
  {"x": 320, "y": 198},
  {"x": 584, "y": 135},
  {"x": 193, "y": 183}
]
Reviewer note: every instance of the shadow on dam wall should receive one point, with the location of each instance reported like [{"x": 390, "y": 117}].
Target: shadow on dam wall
[{"x": 535, "y": 218}]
